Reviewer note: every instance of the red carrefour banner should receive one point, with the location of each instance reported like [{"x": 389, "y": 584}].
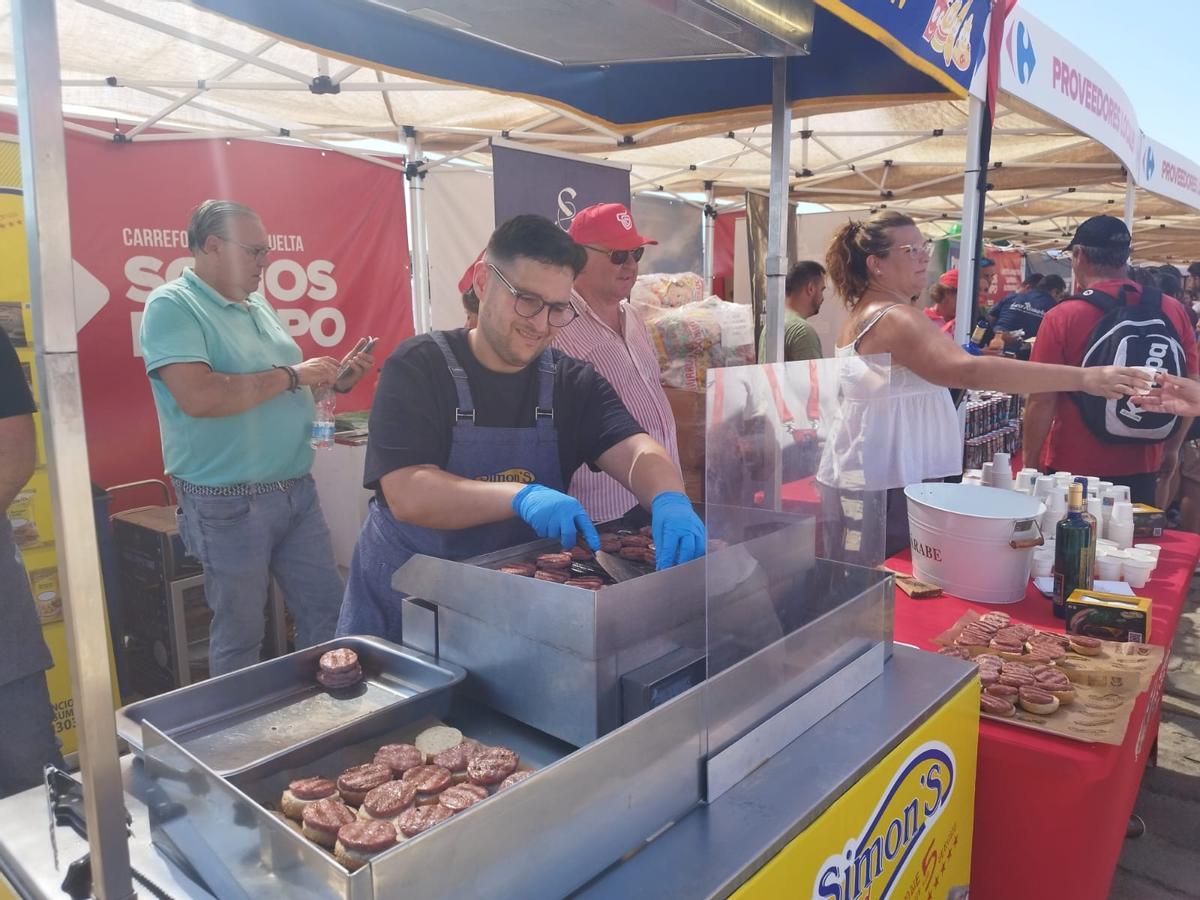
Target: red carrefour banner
[
  {"x": 338, "y": 269},
  {"x": 1008, "y": 271}
]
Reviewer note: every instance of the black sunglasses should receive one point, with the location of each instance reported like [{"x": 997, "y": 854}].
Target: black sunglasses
[{"x": 618, "y": 257}]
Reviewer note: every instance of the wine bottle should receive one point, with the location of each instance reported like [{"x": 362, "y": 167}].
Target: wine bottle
[{"x": 1073, "y": 552}]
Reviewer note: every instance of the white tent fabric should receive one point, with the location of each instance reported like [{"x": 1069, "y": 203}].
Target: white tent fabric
[{"x": 158, "y": 70}]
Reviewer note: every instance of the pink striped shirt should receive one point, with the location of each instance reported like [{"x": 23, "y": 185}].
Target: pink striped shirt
[{"x": 630, "y": 365}]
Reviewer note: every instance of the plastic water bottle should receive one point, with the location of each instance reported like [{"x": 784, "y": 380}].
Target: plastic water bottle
[{"x": 322, "y": 427}]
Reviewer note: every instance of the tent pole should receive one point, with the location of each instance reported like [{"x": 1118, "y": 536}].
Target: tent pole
[
  {"x": 48, "y": 233},
  {"x": 776, "y": 261},
  {"x": 1130, "y": 200},
  {"x": 710, "y": 224},
  {"x": 415, "y": 173},
  {"x": 972, "y": 221}
]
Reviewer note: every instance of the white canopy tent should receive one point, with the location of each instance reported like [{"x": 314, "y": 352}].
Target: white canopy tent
[{"x": 168, "y": 71}]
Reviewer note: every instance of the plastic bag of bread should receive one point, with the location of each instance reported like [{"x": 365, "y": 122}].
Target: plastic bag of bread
[
  {"x": 696, "y": 336},
  {"x": 668, "y": 290}
]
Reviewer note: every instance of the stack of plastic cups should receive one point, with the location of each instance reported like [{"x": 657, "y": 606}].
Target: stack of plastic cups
[
  {"x": 1095, "y": 507},
  {"x": 1120, "y": 526},
  {"x": 1056, "y": 508},
  {"x": 1002, "y": 476},
  {"x": 1043, "y": 562},
  {"x": 1043, "y": 488}
]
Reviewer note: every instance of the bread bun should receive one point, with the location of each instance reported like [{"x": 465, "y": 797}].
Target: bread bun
[{"x": 433, "y": 741}]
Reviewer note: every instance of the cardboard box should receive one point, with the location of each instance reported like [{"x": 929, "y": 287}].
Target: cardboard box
[
  {"x": 1148, "y": 521},
  {"x": 689, "y": 410},
  {"x": 1110, "y": 617}
]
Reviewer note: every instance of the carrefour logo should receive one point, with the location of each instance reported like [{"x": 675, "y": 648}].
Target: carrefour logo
[
  {"x": 1148, "y": 162},
  {"x": 872, "y": 861},
  {"x": 1025, "y": 60}
]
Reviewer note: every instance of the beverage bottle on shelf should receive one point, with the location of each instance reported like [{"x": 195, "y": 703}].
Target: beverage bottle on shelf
[
  {"x": 1074, "y": 552},
  {"x": 324, "y": 401}
]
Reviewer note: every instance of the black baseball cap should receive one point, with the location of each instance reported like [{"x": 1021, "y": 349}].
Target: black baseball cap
[{"x": 1102, "y": 232}]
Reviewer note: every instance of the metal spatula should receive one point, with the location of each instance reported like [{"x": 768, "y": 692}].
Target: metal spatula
[{"x": 616, "y": 568}]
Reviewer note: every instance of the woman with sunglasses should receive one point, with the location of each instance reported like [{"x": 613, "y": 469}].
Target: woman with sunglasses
[{"x": 907, "y": 431}]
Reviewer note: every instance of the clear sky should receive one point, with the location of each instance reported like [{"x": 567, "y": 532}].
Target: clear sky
[{"x": 1152, "y": 49}]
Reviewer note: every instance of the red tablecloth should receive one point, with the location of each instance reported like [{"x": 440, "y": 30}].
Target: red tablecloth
[{"x": 1050, "y": 813}]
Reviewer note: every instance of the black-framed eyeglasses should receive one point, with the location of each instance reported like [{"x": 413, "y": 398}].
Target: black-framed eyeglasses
[
  {"x": 924, "y": 248},
  {"x": 258, "y": 252},
  {"x": 618, "y": 257},
  {"x": 529, "y": 306}
]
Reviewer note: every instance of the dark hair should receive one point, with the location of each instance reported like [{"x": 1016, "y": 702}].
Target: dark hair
[
  {"x": 846, "y": 258},
  {"x": 937, "y": 291},
  {"x": 1105, "y": 257},
  {"x": 1194, "y": 268},
  {"x": 210, "y": 218},
  {"x": 536, "y": 238},
  {"x": 1052, "y": 283},
  {"x": 1168, "y": 280},
  {"x": 1033, "y": 279},
  {"x": 470, "y": 302},
  {"x": 802, "y": 275},
  {"x": 1142, "y": 275}
]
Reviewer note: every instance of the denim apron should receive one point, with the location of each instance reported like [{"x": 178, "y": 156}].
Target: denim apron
[{"x": 525, "y": 455}]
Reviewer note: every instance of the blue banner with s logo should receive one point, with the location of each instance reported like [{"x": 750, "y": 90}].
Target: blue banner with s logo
[{"x": 554, "y": 185}]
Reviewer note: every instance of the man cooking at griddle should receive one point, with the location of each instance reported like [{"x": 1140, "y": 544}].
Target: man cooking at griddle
[{"x": 474, "y": 435}]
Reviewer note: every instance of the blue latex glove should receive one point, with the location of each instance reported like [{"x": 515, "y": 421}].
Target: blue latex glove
[
  {"x": 553, "y": 514},
  {"x": 678, "y": 532}
]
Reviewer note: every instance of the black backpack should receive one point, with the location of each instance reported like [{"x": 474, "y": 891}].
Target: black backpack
[{"x": 1137, "y": 335}]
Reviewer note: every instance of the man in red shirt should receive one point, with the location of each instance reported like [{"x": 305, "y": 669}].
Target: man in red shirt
[{"x": 1056, "y": 437}]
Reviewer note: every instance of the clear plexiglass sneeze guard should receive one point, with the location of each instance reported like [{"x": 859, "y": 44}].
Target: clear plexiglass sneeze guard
[{"x": 798, "y": 615}]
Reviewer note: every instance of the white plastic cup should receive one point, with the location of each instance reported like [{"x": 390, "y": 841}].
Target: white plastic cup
[
  {"x": 1002, "y": 477},
  {"x": 1044, "y": 486},
  {"x": 1025, "y": 481},
  {"x": 1118, "y": 492},
  {"x": 986, "y": 475},
  {"x": 1153, "y": 549},
  {"x": 1108, "y": 567},
  {"x": 1137, "y": 571},
  {"x": 1043, "y": 564}
]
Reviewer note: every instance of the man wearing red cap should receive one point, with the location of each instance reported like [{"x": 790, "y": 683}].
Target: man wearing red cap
[
  {"x": 944, "y": 294},
  {"x": 609, "y": 334},
  {"x": 466, "y": 288}
]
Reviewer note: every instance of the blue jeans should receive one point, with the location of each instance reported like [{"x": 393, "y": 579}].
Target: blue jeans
[{"x": 241, "y": 542}]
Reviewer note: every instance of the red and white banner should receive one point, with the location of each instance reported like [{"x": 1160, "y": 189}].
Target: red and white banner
[{"x": 338, "y": 269}]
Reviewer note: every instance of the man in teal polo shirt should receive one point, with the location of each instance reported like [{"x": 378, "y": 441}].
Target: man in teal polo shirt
[{"x": 235, "y": 412}]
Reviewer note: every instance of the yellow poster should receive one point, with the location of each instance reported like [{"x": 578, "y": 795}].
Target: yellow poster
[{"x": 903, "y": 831}]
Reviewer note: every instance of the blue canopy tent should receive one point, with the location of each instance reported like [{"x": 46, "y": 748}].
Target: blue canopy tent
[{"x": 862, "y": 54}]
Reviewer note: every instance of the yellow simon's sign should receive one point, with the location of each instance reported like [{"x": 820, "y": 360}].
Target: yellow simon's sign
[{"x": 903, "y": 831}]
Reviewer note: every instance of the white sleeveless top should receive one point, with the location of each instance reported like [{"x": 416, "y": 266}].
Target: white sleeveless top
[{"x": 893, "y": 427}]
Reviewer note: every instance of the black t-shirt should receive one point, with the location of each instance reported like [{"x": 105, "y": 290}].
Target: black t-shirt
[
  {"x": 413, "y": 411},
  {"x": 15, "y": 397}
]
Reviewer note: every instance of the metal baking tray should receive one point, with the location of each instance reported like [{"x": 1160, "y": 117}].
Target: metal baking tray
[
  {"x": 239, "y": 720},
  {"x": 229, "y": 831}
]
